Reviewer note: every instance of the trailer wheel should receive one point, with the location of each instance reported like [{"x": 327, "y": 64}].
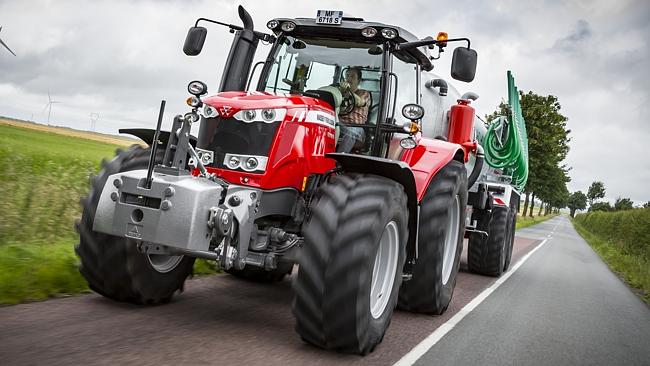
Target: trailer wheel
[
  {"x": 113, "y": 266},
  {"x": 441, "y": 228},
  {"x": 512, "y": 225},
  {"x": 487, "y": 256},
  {"x": 351, "y": 263},
  {"x": 257, "y": 274}
]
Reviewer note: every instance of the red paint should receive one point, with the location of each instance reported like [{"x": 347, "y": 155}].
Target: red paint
[
  {"x": 300, "y": 144},
  {"x": 499, "y": 201},
  {"x": 461, "y": 124},
  {"x": 427, "y": 159}
]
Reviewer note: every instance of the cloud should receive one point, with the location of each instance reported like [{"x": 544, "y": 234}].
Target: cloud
[{"x": 120, "y": 58}]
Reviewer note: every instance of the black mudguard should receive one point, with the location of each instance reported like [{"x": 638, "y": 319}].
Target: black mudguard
[{"x": 146, "y": 135}]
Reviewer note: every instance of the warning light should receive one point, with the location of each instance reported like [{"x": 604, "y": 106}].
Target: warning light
[{"x": 442, "y": 38}]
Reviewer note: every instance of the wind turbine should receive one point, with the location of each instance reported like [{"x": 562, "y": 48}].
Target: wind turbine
[
  {"x": 93, "y": 120},
  {"x": 49, "y": 106},
  {"x": 7, "y": 47}
]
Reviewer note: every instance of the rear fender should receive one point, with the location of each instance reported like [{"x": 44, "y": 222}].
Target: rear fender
[
  {"x": 427, "y": 158},
  {"x": 398, "y": 171},
  {"x": 146, "y": 135}
]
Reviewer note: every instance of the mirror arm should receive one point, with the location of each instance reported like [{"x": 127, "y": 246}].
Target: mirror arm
[
  {"x": 427, "y": 42},
  {"x": 263, "y": 36}
]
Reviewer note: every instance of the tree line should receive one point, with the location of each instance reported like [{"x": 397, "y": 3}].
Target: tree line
[{"x": 596, "y": 191}]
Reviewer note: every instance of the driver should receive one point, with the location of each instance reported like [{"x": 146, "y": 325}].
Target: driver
[{"x": 359, "y": 114}]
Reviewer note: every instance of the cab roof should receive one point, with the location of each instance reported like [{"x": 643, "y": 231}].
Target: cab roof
[{"x": 350, "y": 29}]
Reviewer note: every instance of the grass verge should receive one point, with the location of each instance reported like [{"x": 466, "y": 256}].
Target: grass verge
[
  {"x": 43, "y": 175},
  {"x": 629, "y": 265},
  {"x": 527, "y": 221}
]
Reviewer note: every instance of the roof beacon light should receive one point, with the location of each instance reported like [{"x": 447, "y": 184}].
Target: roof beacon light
[
  {"x": 288, "y": 26},
  {"x": 389, "y": 33},
  {"x": 369, "y": 32},
  {"x": 442, "y": 37}
]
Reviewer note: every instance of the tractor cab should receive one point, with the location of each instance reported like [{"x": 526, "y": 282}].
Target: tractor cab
[{"x": 313, "y": 59}]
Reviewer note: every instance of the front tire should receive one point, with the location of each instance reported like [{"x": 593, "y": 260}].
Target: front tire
[
  {"x": 351, "y": 263},
  {"x": 112, "y": 265},
  {"x": 441, "y": 231}
]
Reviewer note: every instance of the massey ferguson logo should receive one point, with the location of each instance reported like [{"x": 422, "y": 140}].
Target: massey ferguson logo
[{"x": 225, "y": 111}]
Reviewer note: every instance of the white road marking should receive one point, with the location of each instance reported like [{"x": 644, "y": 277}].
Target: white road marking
[{"x": 414, "y": 354}]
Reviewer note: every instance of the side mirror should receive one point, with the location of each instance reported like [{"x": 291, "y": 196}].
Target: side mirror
[
  {"x": 194, "y": 41},
  {"x": 463, "y": 64}
]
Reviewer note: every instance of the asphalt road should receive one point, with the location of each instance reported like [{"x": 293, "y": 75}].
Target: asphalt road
[{"x": 562, "y": 306}]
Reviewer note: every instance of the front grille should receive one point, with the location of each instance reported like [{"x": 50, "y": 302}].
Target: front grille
[{"x": 230, "y": 136}]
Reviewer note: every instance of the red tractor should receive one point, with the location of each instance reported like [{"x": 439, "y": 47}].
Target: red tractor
[{"x": 263, "y": 187}]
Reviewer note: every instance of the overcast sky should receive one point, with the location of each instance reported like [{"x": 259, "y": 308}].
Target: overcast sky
[{"x": 120, "y": 58}]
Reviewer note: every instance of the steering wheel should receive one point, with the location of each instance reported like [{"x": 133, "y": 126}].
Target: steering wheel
[{"x": 348, "y": 102}]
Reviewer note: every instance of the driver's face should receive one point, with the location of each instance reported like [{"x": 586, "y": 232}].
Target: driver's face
[{"x": 353, "y": 79}]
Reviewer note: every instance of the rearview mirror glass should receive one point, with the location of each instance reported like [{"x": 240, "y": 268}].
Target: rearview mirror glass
[
  {"x": 463, "y": 64},
  {"x": 194, "y": 41}
]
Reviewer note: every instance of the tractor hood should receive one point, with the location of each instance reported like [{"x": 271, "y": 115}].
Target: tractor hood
[{"x": 229, "y": 103}]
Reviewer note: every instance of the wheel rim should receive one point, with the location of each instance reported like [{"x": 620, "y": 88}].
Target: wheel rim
[
  {"x": 383, "y": 272},
  {"x": 164, "y": 263},
  {"x": 451, "y": 241}
]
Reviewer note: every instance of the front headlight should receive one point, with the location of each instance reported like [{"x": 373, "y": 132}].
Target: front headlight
[
  {"x": 251, "y": 164},
  {"x": 197, "y": 88},
  {"x": 268, "y": 115},
  {"x": 413, "y": 111},
  {"x": 233, "y": 162},
  {"x": 210, "y": 111}
]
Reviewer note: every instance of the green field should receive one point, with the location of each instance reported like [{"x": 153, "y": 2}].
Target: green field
[
  {"x": 622, "y": 239},
  {"x": 43, "y": 176}
]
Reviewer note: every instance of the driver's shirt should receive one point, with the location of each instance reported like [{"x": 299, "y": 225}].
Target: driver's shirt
[{"x": 359, "y": 115}]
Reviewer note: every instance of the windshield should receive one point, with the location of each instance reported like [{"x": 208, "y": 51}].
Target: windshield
[{"x": 304, "y": 64}]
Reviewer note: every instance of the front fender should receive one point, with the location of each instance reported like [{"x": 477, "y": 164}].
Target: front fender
[
  {"x": 146, "y": 135},
  {"x": 427, "y": 158}
]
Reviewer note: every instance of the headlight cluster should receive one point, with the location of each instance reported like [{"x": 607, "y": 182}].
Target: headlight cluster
[
  {"x": 388, "y": 33},
  {"x": 267, "y": 115},
  {"x": 285, "y": 26},
  {"x": 248, "y": 163}
]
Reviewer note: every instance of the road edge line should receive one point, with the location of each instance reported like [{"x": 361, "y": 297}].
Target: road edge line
[{"x": 421, "y": 348}]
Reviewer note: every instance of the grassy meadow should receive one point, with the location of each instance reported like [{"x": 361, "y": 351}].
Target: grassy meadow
[{"x": 43, "y": 176}]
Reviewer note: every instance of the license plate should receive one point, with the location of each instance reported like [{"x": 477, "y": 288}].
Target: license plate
[{"x": 329, "y": 17}]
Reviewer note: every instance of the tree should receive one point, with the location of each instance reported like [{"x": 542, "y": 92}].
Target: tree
[
  {"x": 646, "y": 205},
  {"x": 596, "y": 190},
  {"x": 623, "y": 204},
  {"x": 600, "y": 206},
  {"x": 548, "y": 144},
  {"x": 577, "y": 201}
]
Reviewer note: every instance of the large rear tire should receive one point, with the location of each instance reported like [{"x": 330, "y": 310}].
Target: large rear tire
[
  {"x": 441, "y": 231},
  {"x": 351, "y": 263},
  {"x": 487, "y": 256},
  {"x": 113, "y": 266}
]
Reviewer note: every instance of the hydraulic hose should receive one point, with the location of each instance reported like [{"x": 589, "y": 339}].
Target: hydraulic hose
[
  {"x": 506, "y": 141},
  {"x": 478, "y": 166}
]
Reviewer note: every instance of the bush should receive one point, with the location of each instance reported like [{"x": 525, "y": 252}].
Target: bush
[{"x": 628, "y": 230}]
